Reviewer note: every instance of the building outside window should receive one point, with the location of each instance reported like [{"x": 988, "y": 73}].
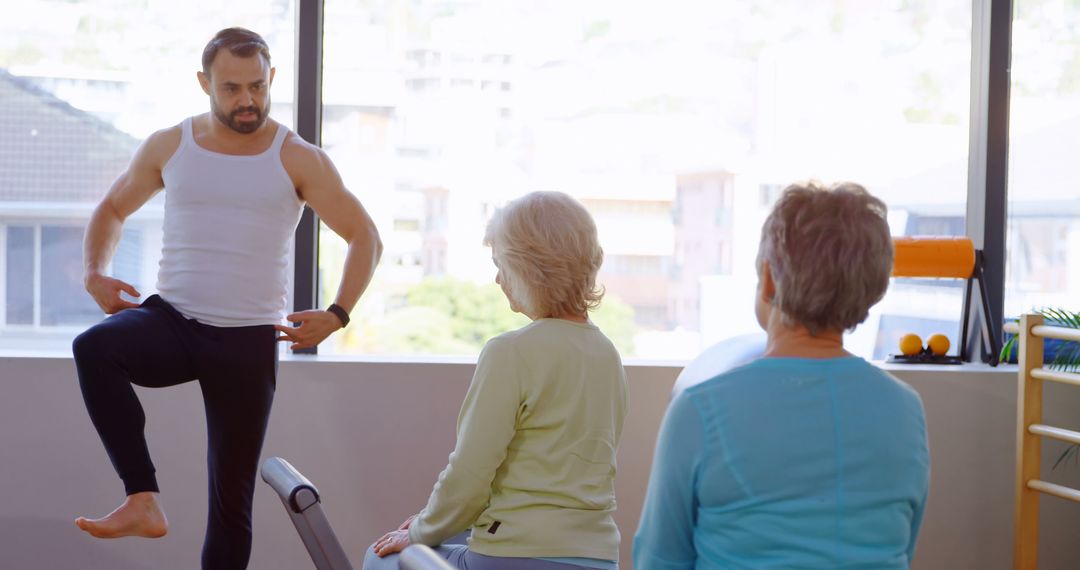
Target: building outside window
[
  {"x": 676, "y": 125},
  {"x": 1043, "y": 239}
]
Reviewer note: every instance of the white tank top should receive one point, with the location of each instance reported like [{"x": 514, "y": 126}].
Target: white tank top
[{"x": 229, "y": 224}]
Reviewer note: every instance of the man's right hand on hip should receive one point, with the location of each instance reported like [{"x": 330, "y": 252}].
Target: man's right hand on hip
[{"x": 106, "y": 293}]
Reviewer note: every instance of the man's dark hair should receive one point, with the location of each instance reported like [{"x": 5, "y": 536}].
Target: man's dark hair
[{"x": 240, "y": 42}]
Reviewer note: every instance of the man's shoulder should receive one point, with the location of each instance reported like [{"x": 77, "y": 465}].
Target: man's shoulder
[
  {"x": 309, "y": 167},
  {"x": 167, "y": 135},
  {"x": 172, "y": 132},
  {"x": 294, "y": 147},
  {"x": 301, "y": 158},
  {"x": 161, "y": 144}
]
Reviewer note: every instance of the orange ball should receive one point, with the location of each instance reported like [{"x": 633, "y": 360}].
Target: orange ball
[
  {"x": 910, "y": 344},
  {"x": 938, "y": 344}
]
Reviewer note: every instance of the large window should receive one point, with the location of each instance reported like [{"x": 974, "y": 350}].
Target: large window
[
  {"x": 675, "y": 123},
  {"x": 81, "y": 84},
  {"x": 1043, "y": 249}
]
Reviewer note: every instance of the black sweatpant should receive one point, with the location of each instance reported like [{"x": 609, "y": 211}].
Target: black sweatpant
[{"x": 155, "y": 346}]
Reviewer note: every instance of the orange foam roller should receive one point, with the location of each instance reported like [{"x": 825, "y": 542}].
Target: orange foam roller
[{"x": 933, "y": 256}]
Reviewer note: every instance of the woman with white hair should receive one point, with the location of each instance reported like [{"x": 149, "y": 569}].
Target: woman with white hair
[
  {"x": 532, "y": 473},
  {"x": 808, "y": 457}
]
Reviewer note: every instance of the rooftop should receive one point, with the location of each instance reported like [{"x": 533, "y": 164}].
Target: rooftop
[{"x": 53, "y": 152}]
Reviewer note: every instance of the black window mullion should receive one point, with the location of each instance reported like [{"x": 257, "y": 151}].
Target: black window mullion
[
  {"x": 308, "y": 121},
  {"x": 986, "y": 220}
]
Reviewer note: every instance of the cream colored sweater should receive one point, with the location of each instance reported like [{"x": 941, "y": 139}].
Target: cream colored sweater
[{"x": 533, "y": 472}]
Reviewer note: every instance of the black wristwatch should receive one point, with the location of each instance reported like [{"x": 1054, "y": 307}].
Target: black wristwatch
[{"x": 340, "y": 313}]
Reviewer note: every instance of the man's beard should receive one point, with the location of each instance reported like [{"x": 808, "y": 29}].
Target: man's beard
[{"x": 244, "y": 127}]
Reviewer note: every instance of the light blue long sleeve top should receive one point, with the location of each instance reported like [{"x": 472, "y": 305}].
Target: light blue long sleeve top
[{"x": 788, "y": 463}]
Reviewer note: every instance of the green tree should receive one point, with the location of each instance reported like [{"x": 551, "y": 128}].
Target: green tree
[
  {"x": 444, "y": 315},
  {"x": 616, "y": 319},
  {"x": 409, "y": 330},
  {"x": 476, "y": 312}
]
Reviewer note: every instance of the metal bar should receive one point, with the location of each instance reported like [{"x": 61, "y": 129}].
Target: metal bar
[
  {"x": 1066, "y": 435},
  {"x": 301, "y": 501},
  {"x": 991, "y": 334},
  {"x": 1012, "y": 328},
  {"x": 1054, "y": 489},
  {"x": 965, "y": 323}
]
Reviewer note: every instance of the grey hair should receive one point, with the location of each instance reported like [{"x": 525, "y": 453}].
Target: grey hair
[
  {"x": 830, "y": 254},
  {"x": 546, "y": 245}
]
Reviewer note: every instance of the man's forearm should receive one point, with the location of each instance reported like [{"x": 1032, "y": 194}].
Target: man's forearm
[
  {"x": 360, "y": 262},
  {"x": 102, "y": 236}
]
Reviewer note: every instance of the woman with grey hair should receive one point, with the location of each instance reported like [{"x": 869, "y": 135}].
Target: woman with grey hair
[
  {"x": 533, "y": 471},
  {"x": 808, "y": 457}
]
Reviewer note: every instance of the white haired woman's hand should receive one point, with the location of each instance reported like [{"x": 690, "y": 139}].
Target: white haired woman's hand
[{"x": 392, "y": 542}]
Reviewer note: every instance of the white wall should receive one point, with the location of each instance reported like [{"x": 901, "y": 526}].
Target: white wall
[{"x": 373, "y": 436}]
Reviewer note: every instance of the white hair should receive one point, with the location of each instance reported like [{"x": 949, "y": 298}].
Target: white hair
[{"x": 546, "y": 245}]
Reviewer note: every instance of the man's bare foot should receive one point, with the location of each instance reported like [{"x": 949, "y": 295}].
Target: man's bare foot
[{"x": 140, "y": 515}]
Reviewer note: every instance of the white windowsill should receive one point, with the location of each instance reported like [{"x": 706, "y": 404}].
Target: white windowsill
[{"x": 407, "y": 360}]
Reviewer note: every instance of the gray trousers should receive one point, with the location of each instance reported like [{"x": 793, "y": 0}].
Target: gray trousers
[{"x": 459, "y": 556}]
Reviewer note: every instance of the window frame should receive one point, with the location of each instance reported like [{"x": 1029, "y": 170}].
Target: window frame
[
  {"x": 37, "y": 227},
  {"x": 308, "y": 120},
  {"x": 988, "y": 156}
]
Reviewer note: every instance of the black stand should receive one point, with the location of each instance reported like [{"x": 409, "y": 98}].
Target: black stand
[{"x": 991, "y": 346}]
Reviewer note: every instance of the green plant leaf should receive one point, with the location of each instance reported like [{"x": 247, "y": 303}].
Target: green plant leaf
[
  {"x": 1008, "y": 349},
  {"x": 1071, "y": 451}
]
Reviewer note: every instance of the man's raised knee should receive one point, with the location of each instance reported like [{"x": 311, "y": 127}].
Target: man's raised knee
[{"x": 89, "y": 344}]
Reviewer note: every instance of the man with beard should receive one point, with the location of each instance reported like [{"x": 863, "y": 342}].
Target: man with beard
[{"x": 235, "y": 184}]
